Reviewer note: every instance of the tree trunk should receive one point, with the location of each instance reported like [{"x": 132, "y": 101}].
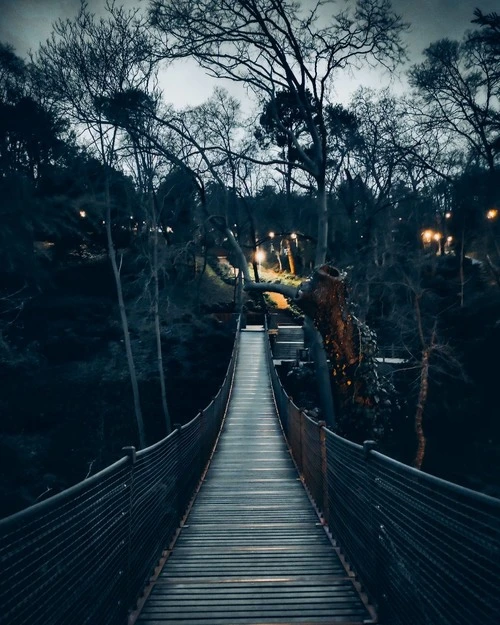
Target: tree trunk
[
  {"x": 322, "y": 244},
  {"x": 462, "y": 276},
  {"x": 242, "y": 261},
  {"x": 124, "y": 321},
  {"x": 239, "y": 292},
  {"x": 291, "y": 257},
  {"x": 322, "y": 371},
  {"x": 156, "y": 312},
  {"x": 288, "y": 183},
  {"x": 253, "y": 238},
  {"x": 200, "y": 276},
  {"x": 278, "y": 258},
  {"x": 422, "y": 399},
  {"x": 255, "y": 268}
]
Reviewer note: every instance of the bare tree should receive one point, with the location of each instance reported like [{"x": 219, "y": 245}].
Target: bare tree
[
  {"x": 148, "y": 166},
  {"x": 86, "y": 63},
  {"x": 418, "y": 326},
  {"x": 274, "y": 46},
  {"x": 458, "y": 84}
]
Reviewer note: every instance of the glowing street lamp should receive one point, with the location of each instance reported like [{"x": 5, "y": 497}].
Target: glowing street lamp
[
  {"x": 492, "y": 214},
  {"x": 447, "y": 215},
  {"x": 83, "y": 214},
  {"x": 271, "y": 235},
  {"x": 427, "y": 236},
  {"x": 260, "y": 256}
]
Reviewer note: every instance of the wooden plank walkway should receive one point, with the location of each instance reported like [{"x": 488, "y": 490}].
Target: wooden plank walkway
[{"x": 252, "y": 550}]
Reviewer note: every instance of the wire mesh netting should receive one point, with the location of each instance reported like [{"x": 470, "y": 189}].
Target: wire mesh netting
[
  {"x": 311, "y": 459},
  {"x": 350, "y": 509},
  {"x": 294, "y": 418},
  {"x": 155, "y": 509},
  {"x": 189, "y": 461},
  {"x": 83, "y": 556},
  {"x": 438, "y": 548},
  {"x": 55, "y": 555},
  {"x": 426, "y": 551},
  {"x": 281, "y": 398}
]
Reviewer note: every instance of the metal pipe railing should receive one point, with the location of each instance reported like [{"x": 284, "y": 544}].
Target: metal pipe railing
[
  {"x": 84, "y": 555},
  {"x": 426, "y": 551}
]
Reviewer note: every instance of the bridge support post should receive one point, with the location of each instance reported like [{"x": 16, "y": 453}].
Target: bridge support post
[
  {"x": 299, "y": 418},
  {"x": 301, "y": 439},
  {"x": 178, "y": 472},
  {"x": 132, "y": 456},
  {"x": 368, "y": 446},
  {"x": 371, "y": 520},
  {"x": 131, "y": 453},
  {"x": 202, "y": 455},
  {"x": 324, "y": 471},
  {"x": 295, "y": 428},
  {"x": 322, "y": 371}
]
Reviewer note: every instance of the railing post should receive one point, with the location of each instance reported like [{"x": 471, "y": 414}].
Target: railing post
[
  {"x": 129, "y": 590},
  {"x": 294, "y": 431},
  {"x": 301, "y": 439},
  {"x": 368, "y": 446},
  {"x": 178, "y": 473},
  {"x": 324, "y": 470},
  {"x": 374, "y": 548},
  {"x": 202, "y": 444}
]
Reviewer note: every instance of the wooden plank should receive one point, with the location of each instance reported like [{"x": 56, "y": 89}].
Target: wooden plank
[{"x": 252, "y": 551}]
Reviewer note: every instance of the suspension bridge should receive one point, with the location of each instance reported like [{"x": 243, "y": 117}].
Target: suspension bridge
[{"x": 254, "y": 513}]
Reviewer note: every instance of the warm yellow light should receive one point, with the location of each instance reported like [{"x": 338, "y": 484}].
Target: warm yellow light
[
  {"x": 427, "y": 235},
  {"x": 492, "y": 214},
  {"x": 260, "y": 256},
  {"x": 437, "y": 236},
  {"x": 449, "y": 239},
  {"x": 271, "y": 235},
  {"x": 448, "y": 215},
  {"x": 83, "y": 214}
]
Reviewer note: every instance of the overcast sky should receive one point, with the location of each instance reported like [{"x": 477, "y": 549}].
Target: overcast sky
[{"x": 24, "y": 23}]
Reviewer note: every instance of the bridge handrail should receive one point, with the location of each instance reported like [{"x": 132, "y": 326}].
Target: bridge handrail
[
  {"x": 393, "y": 351},
  {"x": 85, "y": 555},
  {"x": 425, "y": 551}
]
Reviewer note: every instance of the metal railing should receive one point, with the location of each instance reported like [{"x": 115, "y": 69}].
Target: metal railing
[
  {"x": 85, "y": 555},
  {"x": 385, "y": 352},
  {"x": 426, "y": 551}
]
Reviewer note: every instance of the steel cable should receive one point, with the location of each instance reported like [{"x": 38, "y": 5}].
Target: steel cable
[
  {"x": 82, "y": 556},
  {"x": 426, "y": 551}
]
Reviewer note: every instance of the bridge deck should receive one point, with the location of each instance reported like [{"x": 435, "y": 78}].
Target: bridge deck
[{"x": 252, "y": 550}]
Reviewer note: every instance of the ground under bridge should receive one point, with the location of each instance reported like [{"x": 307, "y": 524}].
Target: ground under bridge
[{"x": 243, "y": 541}]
